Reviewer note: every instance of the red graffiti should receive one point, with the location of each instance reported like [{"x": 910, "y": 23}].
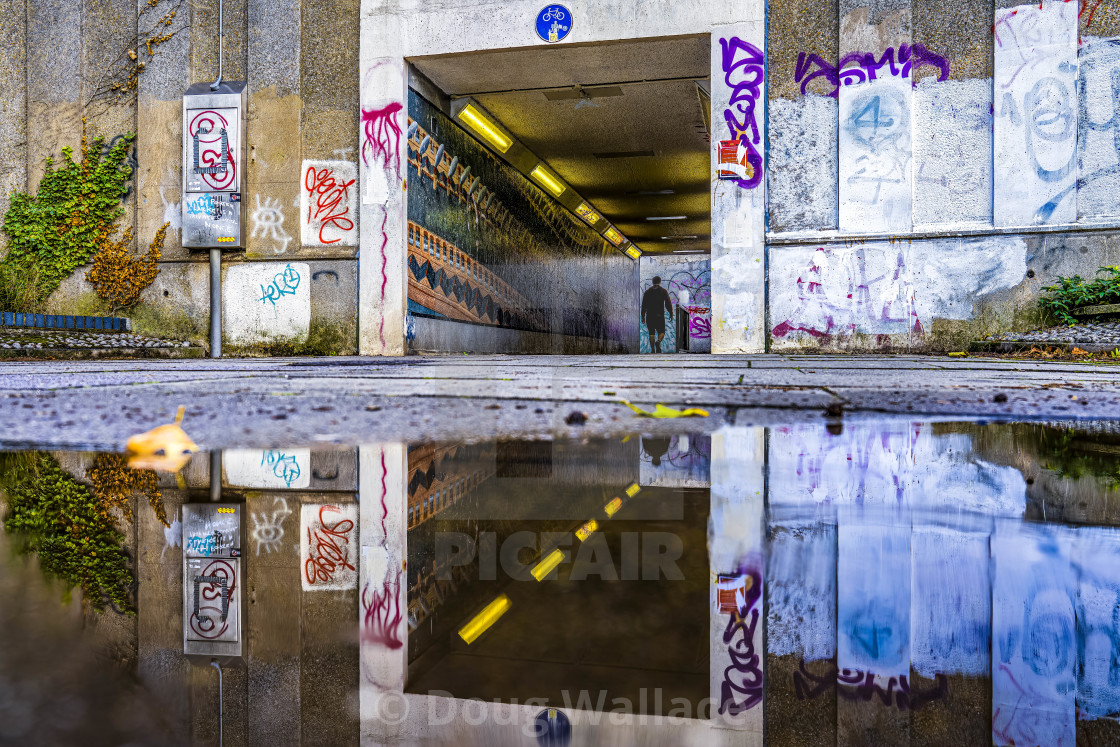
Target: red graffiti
[
  {"x": 209, "y": 613},
  {"x": 209, "y": 129},
  {"x": 383, "y": 137},
  {"x": 382, "y": 616},
  {"x": 328, "y": 548},
  {"x": 329, "y": 202}
]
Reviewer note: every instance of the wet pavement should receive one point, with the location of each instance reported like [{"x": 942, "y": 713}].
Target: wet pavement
[
  {"x": 285, "y": 402},
  {"x": 763, "y": 576}
]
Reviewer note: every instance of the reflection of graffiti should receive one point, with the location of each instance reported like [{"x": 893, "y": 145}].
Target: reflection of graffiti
[
  {"x": 852, "y": 684},
  {"x": 744, "y": 71},
  {"x": 283, "y": 284},
  {"x": 865, "y": 67},
  {"x": 268, "y": 528},
  {"x": 172, "y": 536},
  {"x": 284, "y": 466},
  {"x": 836, "y": 295},
  {"x": 213, "y": 589},
  {"x": 382, "y": 615},
  {"x": 328, "y": 193},
  {"x": 268, "y": 222},
  {"x": 742, "y": 681},
  {"x": 329, "y": 547},
  {"x": 382, "y": 137}
]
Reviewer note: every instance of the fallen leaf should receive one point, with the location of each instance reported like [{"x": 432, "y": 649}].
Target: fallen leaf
[
  {"x": 959, "y": 354},
  {"x": 1079, "y": 351},
  {"x": 661, "y": 411},
  {"x": 164, "y": 445}
]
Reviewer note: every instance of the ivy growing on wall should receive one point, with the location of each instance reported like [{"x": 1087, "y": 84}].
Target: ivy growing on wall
[
  {"x": 57, "y": 230},
  {"x": 54, "y": 516}
]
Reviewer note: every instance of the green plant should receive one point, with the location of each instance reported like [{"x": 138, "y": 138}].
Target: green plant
[
  {"x": 19, "y": 288},
  {"x": 58, "y": 229},
  {"x": 69, "y": 528},
  {"x": 1074, "y": 292}
]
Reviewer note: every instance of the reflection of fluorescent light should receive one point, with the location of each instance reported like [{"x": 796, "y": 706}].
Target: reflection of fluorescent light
[
  {"x": 633, "y": 252},
  {"x": 612, "y": 235},
  {"x": 679, "y": 238},
  {"x": 485, "y": 127},
  {"x": 668, "y": 217},
  {"x": 612, "y": 508},
  {"x": 483, "y": 620},
  {"x": 587, "y": 530},
  {"x": 546, "y": 566},
  {"x": 547, "y": 180},
  {"x": 633, "y": 490},
  {"x": 584, "y": 211}
]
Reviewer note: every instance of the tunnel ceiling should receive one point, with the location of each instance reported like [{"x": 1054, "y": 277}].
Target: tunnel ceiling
[{"x": 631, "y": 139}]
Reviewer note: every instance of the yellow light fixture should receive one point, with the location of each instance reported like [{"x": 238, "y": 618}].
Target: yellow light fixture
[
  {"x": 484, "y": 127},
  {"x": 548, "y": 180},
  {"x": 633, "y": 490},
  {"x": 633, "y": 252},
  {"x": 612, "y": 508},
  {"x": 587, "y": 530},
  {"x": 483, "y": 620},
  {"x": 612, "y": 235},
  {"x": 546, "y": 566},
  {"x": 586, "y": 212}
]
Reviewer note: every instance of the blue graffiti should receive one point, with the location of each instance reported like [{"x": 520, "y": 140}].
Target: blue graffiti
[
  {"x": 282, "y": 465},
  {"x": 283, "y": 284}
]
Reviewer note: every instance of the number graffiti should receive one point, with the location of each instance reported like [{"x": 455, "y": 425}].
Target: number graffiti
[
  {"x": 744, "y": 72},
  {"x": 213, "y": 156},
  {"x": 216, "y": 583},
  {"x": 328, "y": 547}
]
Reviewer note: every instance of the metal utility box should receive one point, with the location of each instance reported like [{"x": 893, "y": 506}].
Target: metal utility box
[
  {"x": 212, "y": 579},
  {"x": 213, "y": 166}
]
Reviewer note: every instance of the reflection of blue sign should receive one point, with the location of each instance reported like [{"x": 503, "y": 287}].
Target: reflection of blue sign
[{"x": 554, "y": 22}]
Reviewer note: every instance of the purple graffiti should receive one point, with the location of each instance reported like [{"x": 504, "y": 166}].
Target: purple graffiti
[
  {"x": 744, "y": 72},
  {"x": 852, "y": 684},
  {"x": 866, "y": 67},
  {"x": 700, "y": 328},
  {"x": 742, "y": 681}
]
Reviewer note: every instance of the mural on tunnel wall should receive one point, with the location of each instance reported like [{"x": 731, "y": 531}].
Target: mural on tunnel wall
[
  {"x": 688, "y": 280},
  {"x": 487, "y": 247}
]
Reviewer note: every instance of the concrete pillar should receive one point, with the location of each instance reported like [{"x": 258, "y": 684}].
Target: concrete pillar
[
  {"x": 13, "y": 107},
  {"x": 738, "y": 206},
  {"x": 383, "y": 591},
  {"x": 736, "y": 535},
  {"x": 875, "y": 118},
  {"x": 273, "y": 130},
  {"x": 54, "y": 83},
  {"x": 382, "y": 282}
]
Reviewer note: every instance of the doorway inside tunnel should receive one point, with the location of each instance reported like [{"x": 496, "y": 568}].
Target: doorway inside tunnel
[{"x": 550, "y": 189}]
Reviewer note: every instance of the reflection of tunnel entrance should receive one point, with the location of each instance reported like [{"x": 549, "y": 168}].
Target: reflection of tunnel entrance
[{"x": 547, "y": 186}]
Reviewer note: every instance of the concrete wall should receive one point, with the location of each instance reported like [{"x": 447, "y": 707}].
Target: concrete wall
[{"x": 299, "y": 58}]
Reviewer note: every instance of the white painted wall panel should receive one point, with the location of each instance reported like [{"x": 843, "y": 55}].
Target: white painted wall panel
[
  {"x": 1098, "y": 129},
  {"x": 1035, "y": 100},
  {"x": 875, "y": 156},
  {"x": 265, "y": 301}
]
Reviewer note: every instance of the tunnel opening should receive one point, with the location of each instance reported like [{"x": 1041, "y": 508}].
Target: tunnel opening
[{"x": 548, "y": 187}]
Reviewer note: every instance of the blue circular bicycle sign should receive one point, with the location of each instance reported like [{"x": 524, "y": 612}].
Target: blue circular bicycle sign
[{"x": 554, "y": 22}]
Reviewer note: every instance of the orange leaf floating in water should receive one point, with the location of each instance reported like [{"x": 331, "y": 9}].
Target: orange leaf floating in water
[
  {"x": 165, "y": 447},
  {"x": 661, "y": 411}
]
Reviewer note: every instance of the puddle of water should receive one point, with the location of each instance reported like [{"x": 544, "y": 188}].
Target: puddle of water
[{"x": 871, "y": 582}]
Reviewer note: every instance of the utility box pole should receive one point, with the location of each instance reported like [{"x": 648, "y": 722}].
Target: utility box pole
[
  {"x": 214, "y": 166},
  {"x": 212, "y": 593}
]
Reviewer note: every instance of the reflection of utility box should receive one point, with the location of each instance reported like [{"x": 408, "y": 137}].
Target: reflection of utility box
[
  {"x": 212, "y": 579},
  {"x": 213, "y": 166}
]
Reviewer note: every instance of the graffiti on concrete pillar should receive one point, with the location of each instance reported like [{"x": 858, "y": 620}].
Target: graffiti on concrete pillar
[
  {"x": 268, "y": 224},
  {"x": 326, "y": 203},
  {"x": 744, "y": 72},
  {"x": 328, "y": 547}
]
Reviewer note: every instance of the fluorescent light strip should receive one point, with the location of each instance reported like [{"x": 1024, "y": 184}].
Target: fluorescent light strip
[
  {"x": 485, "y": 127},
  {"x": 546, "y": 566},
  {"x": 548, "y": 181},
  {"x": 612, "y": 235},
  {"x": 668, "y": 217},
  {"x": 483, "y": 620},
  {"x": 587, "y": 530},
  {"x": 633, "y": 490},
  {"x": 612, "y": 508},
  {"x": 633, "y": 252}
]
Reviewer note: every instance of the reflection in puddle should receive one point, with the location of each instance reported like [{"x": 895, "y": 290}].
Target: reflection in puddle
[{"x": 878, "y": 582}]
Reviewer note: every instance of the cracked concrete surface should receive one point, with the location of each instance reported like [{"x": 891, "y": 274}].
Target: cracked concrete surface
[{"x": 290, "y": 402}]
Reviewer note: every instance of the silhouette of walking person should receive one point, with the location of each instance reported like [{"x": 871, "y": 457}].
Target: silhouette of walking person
[{"x": 656, "y": 304}]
